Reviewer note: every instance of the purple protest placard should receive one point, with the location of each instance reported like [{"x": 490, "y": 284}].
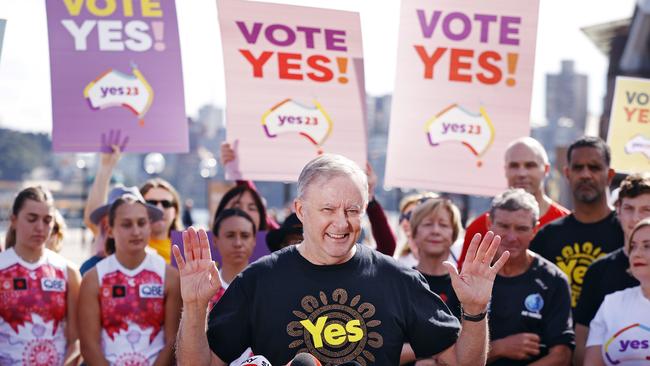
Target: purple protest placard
[{"x": 116, "y": 65}]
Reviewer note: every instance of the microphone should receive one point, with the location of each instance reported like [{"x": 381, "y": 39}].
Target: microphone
[
  {"x": 304, "y": 359},
  {"x": 256, "y": 361}
]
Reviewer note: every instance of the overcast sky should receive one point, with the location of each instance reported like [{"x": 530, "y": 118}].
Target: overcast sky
[{"x": 24, "y": 66}]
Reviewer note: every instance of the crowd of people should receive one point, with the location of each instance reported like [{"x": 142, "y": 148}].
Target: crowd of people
[{"x": 528, "y": 282}]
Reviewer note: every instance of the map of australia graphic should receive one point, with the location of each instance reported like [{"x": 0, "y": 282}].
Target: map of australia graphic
[{"x": 116, "y": 89}]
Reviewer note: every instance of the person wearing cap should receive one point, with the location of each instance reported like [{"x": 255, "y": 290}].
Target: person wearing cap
[
  {"x": 99, "y": 220},
  {"x": 329, "y": 296},
  {"x": 129, "y": 303},
  {"x": 156, "y": 191},
  {"x": 289, "y": 233}
]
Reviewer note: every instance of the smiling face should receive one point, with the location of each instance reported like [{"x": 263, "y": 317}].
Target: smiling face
[
  {"x": 331, "y": 211},
  {"x": 640, "y": 255},
  {"x": 131, "y": 228},
  {"x": 236, "y": 240},
  {"x": 33, "y": 224},
  {"x": 434, "y": 234}
]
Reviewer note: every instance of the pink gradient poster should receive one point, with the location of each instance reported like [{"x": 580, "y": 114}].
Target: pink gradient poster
[
  {"x": 462, "y": 93},
  {"x": 116, "y": 66},
  {"x": 294, "y": 87}
]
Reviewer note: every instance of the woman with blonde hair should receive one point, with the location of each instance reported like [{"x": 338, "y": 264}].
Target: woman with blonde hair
[
  {"x": 407, "y": 252},
  {"x": 620, "y": 333}
]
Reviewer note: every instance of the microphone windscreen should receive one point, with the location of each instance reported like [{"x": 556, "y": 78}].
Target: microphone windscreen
[
  {"x": 256, "y": 361},
  {"x": 304, "y": 359}
]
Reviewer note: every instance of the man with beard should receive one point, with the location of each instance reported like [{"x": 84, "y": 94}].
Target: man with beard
[
  {"x": 611, "y": 272},
  {"x": 592, "y": 230},
  {"x": 526, "y": 166}
]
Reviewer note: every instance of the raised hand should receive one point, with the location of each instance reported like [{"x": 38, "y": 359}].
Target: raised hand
[
  {"x": 230, "y": 160},
  {"x": 473, "y": 286},
  {"x": 227, "y": 153},
  {"x": 112, "y": 147},
  {"x": 199, "y": 275}
]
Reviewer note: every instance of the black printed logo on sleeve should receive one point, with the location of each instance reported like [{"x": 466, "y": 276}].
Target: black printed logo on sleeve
[
  {"x": 20, "y": 284},
  {"x": 119, "y": 291},
  {"x": 335, "y": 330}
]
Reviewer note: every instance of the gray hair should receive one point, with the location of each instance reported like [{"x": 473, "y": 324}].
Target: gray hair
[
  {"x": 532, "y": 144},
  {"x": 328, "y": 166},
  {"x": 516, "y": 199}
]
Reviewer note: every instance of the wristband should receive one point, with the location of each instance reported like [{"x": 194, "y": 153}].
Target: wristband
[{"x": 474, "y": 318}]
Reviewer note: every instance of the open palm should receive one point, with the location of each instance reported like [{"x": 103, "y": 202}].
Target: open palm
[
  {"x": 473, "y": 286},
  {"x": 199, "y": 275}
]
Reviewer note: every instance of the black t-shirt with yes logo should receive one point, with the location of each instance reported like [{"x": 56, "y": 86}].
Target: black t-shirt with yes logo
[
  {"x": 362, "y": 310},
  {"x": 573, "y": 246}
]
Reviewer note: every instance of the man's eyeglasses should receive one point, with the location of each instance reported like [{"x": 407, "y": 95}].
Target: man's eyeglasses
[{"x": 163, "y": 203}]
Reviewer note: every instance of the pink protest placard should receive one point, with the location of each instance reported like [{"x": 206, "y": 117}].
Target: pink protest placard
[
  {"x": 116, "y": 66},
  {"x": 294, "y": 87},
  {"x": 463, "y": 90}
]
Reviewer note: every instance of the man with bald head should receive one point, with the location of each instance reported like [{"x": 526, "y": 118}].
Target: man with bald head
[
  {"x": 329, "y": 296},
  {"x": 526, "y": 166}
]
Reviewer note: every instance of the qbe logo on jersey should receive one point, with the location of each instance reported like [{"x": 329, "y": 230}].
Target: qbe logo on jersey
[
  {"x": 53, "y": 284},
  {"x": 151, "y": 290}
]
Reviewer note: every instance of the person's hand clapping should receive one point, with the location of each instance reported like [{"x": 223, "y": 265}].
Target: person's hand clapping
[{"x": 199, "y": 275}]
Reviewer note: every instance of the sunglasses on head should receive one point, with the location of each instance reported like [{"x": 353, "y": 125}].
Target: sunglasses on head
[
  {"x": 163, "y": 203},
  {"x": 407, "y": 215}
]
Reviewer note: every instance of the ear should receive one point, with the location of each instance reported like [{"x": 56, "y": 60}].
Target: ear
[
  {"x": 611, "y": 173},
  {"x": 13, "y": 219},
  {"x": 298, "y": 207},
  {"x": 109, "y": 232},
  {"x": 488, "y": 221},
  {"x": 547, "y": 169},
  {"x": 565, "y": 169}
]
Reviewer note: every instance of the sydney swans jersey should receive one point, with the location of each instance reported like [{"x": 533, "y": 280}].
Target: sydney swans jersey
[
  {"x": 132, "y": 305},
  {"x": 33, "y": 309}
]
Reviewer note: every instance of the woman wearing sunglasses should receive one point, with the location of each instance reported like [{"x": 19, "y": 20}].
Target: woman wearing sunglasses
[{"x": 157, "y": 192}]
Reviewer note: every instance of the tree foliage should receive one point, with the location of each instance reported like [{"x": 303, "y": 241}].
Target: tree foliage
[{"x": 21, "y": 152}]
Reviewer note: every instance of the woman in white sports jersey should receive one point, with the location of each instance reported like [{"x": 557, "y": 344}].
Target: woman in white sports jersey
[
  {"x": 38, "y": 289},
  {"x": 619, "y": 334},
  {"x": 129, "y": 303}
]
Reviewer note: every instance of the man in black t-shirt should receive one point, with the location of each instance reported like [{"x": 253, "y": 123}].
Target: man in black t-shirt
[
  {"x": 610, "y": 273},
  {"x": 328, "y": 296},
  {"x": 530, "y": 311},
  {"x": 592, "y": 230}
]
